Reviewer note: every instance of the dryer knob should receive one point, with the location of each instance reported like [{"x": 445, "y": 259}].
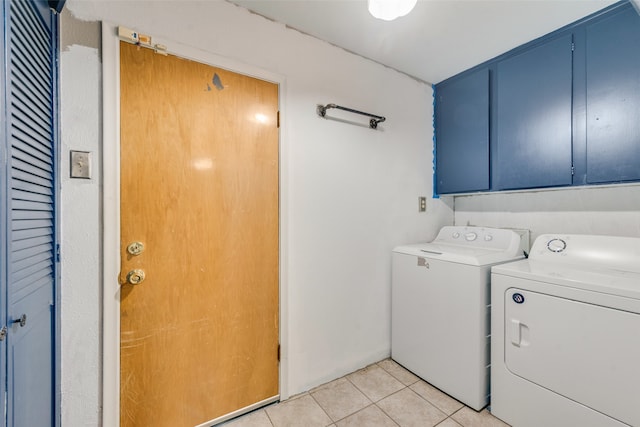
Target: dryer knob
[{"x": 556, "y": 245}]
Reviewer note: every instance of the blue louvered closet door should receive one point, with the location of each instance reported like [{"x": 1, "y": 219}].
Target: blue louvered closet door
[{"x": 29, "y": 193}]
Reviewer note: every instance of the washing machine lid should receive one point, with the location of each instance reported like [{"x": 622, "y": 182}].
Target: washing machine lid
[
  {"x": 604, "y": 264},
  {"x": 469, "y": 245}
]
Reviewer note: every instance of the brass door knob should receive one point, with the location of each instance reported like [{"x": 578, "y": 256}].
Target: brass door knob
[{"x": 135, "y": 277}]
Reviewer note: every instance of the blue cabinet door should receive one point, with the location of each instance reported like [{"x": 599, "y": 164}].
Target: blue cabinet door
[
  {"x": 29, "y": 210},
  {"x": 462, "y": 134},
  {"x": 533, "y": 118},
  {"x": 613, "y": 98}
]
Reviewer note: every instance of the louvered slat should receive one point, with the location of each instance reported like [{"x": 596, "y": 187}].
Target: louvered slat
[
  {"x": 27, "y": 157},
  {"x": 29, "y": 254},
  {"x": 32, "y": 196},
  {"x": 19, "y": 235},
  {"x": 30, "y": 179},
  {"x": 41, "y": 259},
  {"x": 19, "y": 136},
  {"x": 28, "y": 118},
  {"x": 26, "y": 29},
  {"x": 32, "y": 242},
  {"x": 32, "y": 31},
  {"x": 19, "y": 224},
  {"x": 27, "y": 205},
  {"x": 31, "y": 215},
  {"x": 31, "y": 285},
  {"x": 19, "y": 165},
  {"x": 34, "y": 90}
]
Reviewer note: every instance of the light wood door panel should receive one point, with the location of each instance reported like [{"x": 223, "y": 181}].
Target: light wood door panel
[{"x": 199, "y": 188}]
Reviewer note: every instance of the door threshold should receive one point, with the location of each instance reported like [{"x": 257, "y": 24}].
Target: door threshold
[{"x": 239, "y": 412}]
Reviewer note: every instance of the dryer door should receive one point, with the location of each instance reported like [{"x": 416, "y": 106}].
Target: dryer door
[{"x": 585, "y": 352}]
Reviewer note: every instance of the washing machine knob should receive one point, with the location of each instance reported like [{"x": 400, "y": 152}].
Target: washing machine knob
[
  {"x": 455, "y": 235},
  {"x": 470, "y": 237},
  {"x": 488, "y": 238}
]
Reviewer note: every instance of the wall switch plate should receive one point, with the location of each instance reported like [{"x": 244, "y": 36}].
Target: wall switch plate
[
  {"x": 81, "y": 164},
  {"x": 422, "y": 204}
]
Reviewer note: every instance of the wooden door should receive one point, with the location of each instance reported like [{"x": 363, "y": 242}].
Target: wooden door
[{"x": 199, "y": 191}]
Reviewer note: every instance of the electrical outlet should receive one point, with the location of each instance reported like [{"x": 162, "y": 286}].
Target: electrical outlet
[
  {"x": 422, "y": 204},
  {"x": 81, "y": 164}
]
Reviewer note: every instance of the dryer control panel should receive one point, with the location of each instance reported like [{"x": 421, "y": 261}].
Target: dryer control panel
[{"x": 611, "y": 252}]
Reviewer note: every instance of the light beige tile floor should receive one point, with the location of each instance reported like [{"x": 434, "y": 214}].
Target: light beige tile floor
[{"x": 380, "y": 395}]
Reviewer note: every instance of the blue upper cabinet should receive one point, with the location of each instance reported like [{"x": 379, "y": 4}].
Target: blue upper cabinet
[
  {"x": 462, "y": 134},
  {"x": 533, "y": 117},
  {"x": 613, "y": 98},
  {"x": 563, "y": 110}
]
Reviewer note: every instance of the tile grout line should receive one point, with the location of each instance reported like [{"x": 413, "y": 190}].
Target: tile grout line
[
  {"x": 365, "y": 395},
  {"x": 385, "y": 412},
  {"x": 268, "y": 417},
  {"x": 322, "y": 407},
  {"x": 418, "y": 379}
]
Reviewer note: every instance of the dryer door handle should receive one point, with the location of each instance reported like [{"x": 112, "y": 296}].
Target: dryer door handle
[{"x": 519, "y": 333}]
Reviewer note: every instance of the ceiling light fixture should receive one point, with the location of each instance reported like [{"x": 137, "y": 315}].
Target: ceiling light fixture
[{"x": 388, "y": 10}]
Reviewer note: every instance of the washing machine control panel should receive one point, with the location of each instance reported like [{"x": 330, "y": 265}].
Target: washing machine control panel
[
  {"x": 471, "y": 236},
  {"x": 478, "y": 237}
]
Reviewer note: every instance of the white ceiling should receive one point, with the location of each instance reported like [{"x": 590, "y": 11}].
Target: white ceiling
[{"x": 438, "y": 39}]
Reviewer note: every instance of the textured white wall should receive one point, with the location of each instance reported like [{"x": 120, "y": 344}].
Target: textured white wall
[
  {"x": 610, "y": 210},
  {"x": 81, "y": 232},
  {"x": 349, "y": 195}
]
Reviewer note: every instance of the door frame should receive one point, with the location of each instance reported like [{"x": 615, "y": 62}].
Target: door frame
[{"x": 111, "y": 208}]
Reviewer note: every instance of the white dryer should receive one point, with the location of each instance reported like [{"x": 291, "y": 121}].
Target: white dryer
[
  {"x": 440, "y": 307},
  {"x": 565, "y": 348}
]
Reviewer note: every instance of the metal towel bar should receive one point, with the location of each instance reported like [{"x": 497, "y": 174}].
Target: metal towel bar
[{"x": 373, "y": 122}]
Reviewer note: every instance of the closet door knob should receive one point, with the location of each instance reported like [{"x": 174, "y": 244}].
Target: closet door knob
[{"x": 22, "y": 320}]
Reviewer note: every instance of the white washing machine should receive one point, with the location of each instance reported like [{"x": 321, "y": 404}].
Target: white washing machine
[
  {"x": 565, "y": 348},
  {"x": 440, "y": 307}
]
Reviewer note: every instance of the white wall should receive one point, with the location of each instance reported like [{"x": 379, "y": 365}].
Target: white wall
[
  {"x": 80, "y": 289},
  {"x": 349, "y": 193},
  {"x": 610, "y": 210}
]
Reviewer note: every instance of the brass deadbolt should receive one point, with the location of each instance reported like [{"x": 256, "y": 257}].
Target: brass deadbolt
[{"x": 135, "y": 248}]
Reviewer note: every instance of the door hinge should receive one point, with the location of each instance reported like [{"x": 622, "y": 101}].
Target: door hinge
[
  {"x": 573, "y": 46},
  {"x": 573, "y": 170},
  {"x": 57, "y": 252},
  {"x": 278, "y": 120},
  {"x": 278, "y": 352}
]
